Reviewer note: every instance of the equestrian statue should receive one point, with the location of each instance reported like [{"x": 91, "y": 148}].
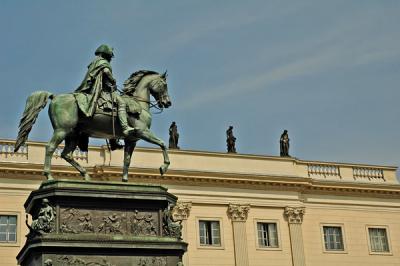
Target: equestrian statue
[{"x": 96, "y": 109}]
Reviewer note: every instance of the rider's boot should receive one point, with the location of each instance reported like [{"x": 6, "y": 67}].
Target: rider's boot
[
  {"x": 123, "y": 120},
  {"x": 115, "y": 145}
]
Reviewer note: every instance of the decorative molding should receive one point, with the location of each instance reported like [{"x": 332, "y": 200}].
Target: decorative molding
[
  {"x": 294, "y": 214},
  {"x": 238, "y": 212},
  {"x": 284, "y": 183},
  {"x": 181, "y": 211}
]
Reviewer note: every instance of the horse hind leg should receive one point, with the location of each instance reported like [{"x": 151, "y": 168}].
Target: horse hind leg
[
  {"x": 128, "y": 150},
  {"x": 58, "y": 136},
  {"x": 67, "y": 154}
]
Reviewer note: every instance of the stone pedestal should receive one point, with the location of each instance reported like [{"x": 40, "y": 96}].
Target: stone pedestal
[{"x": 101, "y": 223}]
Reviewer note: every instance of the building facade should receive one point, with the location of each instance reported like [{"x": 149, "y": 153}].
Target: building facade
[{"x": 236, "y": 209}]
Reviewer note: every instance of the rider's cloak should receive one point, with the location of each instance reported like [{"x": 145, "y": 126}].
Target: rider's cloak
[{"x": 91, "y": 87}]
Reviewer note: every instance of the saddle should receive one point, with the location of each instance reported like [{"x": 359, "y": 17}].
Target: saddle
[{"x": 107, "y": 104}]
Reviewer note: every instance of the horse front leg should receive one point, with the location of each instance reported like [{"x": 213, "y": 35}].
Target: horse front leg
[
  {"x": 128, "y": 150},
  {"x": 149, "y": 136}
]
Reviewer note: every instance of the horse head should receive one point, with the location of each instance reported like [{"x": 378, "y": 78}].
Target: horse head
[{"x": 159, "y": 90}]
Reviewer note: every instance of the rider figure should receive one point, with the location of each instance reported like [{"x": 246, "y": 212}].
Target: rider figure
[{"x": 99, "y": 82}]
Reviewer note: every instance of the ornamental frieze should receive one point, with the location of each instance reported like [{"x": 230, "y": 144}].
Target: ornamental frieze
[{"x": 135, "y": 222}]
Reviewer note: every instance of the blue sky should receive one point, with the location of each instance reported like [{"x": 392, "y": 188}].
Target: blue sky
[{"x": 327, "y": 71}]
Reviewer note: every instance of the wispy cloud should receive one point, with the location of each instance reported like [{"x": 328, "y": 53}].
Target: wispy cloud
[
  {"x": 233, "y": 20},
  {"x": 344, "y": 46}
]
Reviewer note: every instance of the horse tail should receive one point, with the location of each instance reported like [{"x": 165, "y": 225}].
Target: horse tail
[{"x": 34, "y": 104}]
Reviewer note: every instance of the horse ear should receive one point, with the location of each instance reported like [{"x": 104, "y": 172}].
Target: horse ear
[{"x": 164, "y": 75}]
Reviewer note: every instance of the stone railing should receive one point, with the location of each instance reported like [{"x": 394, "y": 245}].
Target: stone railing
[
  {"x": 7, "y": 150},
  {"x": 348, "y": 172},
  {"x": 77, "y": 154},
  {"x": 324, "y": 170},
  {"x": 33, "y": 152},
  {"x": 368, "y": 173},
  {"x": 207, "y": 162}
]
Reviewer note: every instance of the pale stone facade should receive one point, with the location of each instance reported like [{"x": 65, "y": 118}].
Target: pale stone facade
[{"x": 237, "y": 209}]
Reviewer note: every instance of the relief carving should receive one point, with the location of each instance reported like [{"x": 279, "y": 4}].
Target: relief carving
[
  {"x": 48, "y": 262},
  {"x": 86, "y": 223},
  {"x": 72, "y": 260},
  {"x": 153, "y": 261},
  {"x": 143, "y": 224},
  {"x": 111, "y": 224},
  {"x": 67, "y": 217}
]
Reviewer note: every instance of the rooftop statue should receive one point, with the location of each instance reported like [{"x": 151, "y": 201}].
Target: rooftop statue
[
  {"x": 92, "y": 111},
  {"x": 173, "y": 136},
  {"x": 284, "y": 144},
  {"x": 230, "y": 140}
]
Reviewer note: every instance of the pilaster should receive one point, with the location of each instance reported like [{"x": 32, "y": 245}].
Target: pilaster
[
  {"x": 238, "y": 214},
  {"x": 294, "y": 216},
  {"x": 181, "y": 213}
]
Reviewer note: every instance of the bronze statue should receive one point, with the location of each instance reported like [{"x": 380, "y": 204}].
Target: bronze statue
[
  {"x": 44, "y": 222},
  {"x": 230, "y": 140},
  {"x": 74, "y": 118},
  {"x": 284, "y": 144},
  {"x": 173, "y": 136},
  {"x": 170, "y": 227},
  {"x": 98, "y": 89}
]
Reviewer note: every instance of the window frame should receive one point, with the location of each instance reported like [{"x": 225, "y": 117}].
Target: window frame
[
  {"x": 344, "y": 251},
  {"x": 221, "y": 234},
  {"x": 17, "y": 229},
  {"x": 278, "y": 234},
  {"x": 389, "y": 253}
]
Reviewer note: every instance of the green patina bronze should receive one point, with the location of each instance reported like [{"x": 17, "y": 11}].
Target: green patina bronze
[{"x": 96, "y": 110}]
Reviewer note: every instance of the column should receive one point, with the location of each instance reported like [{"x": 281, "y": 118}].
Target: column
[
  {"x": 294, "y": 216},
  {"x": 238, "y": 214},
  {"x": 181, "y": 213}
]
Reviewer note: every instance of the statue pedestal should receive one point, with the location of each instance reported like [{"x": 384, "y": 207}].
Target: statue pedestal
[{"x": 101, "y": 223}]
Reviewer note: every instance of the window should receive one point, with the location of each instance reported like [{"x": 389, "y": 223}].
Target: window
[
  {"x": 378, "y": 240},
  {"x": 333, "y": 238},
  {"x": 267, "y": 235},
  {"x": 209, "y": 233},
  {"x": 8, "y": 228}
]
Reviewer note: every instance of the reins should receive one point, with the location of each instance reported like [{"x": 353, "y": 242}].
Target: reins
[{"x": 153, "y": 104}]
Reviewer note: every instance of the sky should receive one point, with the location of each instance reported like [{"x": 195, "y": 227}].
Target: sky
[{"x": 327, "y": 71}]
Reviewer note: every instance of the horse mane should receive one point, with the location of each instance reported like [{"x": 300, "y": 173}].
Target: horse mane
[{"x": 132, "y": 82}]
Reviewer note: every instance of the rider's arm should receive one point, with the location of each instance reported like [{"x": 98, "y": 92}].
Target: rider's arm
[{"x": 109, "y": 75}]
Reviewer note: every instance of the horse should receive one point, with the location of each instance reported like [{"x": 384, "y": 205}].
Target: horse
[{"x": 69, "y": 124}]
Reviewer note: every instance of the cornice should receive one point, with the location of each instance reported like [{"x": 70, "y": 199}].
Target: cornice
[{"x": 305, "y": 185}]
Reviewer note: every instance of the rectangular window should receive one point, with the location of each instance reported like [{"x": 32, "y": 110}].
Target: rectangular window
[
  {"x": 267, "y": 235},
  {"x": 8, "y": 228},
  {"x": 378, "y": 240},
  {"x": 333, "y": 238},
  {"x": 209, "y": 233}
]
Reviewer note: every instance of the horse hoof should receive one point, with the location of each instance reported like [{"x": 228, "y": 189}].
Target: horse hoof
[
  {"x": 124, "y": 179},
  {"x": 163, "y": 170},
  {"x": 48, "y": 176},
  {"x": 87, "y": 177}
]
